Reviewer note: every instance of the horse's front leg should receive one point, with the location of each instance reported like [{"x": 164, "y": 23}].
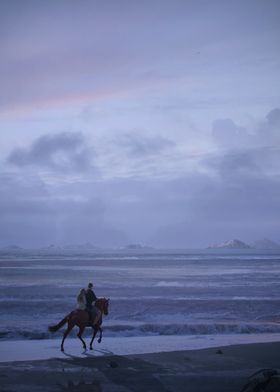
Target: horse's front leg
[
  {"x": 81, "y": 330},
  {"x": 100, "y": 336},
  {"x": 95, "y": 329}
]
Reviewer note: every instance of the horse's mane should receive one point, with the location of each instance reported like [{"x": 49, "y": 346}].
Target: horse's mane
[{"x": 100, "y": 302}]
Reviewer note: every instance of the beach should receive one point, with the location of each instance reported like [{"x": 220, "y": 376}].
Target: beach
[{"x": 214, "y": 369}]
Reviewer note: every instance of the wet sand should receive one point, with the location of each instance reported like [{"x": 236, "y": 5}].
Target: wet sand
[{"x": 224, "y": 369}]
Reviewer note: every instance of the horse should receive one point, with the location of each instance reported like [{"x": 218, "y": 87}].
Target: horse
[{"x": 81, "y": 319}]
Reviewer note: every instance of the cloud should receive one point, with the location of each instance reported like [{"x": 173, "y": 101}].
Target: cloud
[
  {"x": 143, "y": 146},
  {"x": 236, "y": 164},
  {"x": 273, "y": 118},
  {"x": 233, "y": 193},
  {"x": 217, "y": 209},
  {"x": 237, "y": 196},
  {"x": 226, "y": 133},
  {"x": 245, "y": 153},
  {"x": 33, "y": 214},
  {"x": 268, "y": 132},
  {"x": 63, "y": 152}
]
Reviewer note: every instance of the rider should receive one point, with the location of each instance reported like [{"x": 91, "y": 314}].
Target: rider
[
  {"x": 81, "y": 300},
  {"x": 93, "y": 311}
]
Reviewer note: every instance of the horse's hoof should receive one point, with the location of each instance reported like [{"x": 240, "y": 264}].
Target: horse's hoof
[
  {"x": 62, "y": 349},
  {"x": 91, "y": 348},
  {"x": 99, "y": 340}
]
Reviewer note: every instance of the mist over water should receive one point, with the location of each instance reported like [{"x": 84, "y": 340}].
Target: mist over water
[{"x": 155, "y": 293}]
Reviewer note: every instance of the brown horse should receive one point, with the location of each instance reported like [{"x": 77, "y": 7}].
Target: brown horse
[{"x": 81, "y": 319}]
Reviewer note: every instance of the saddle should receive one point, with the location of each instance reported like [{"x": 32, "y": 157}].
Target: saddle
[{"x": 92, "y": 313}]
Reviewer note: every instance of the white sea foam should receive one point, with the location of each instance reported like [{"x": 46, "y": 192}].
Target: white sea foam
[{"x": 153, "y": 329}]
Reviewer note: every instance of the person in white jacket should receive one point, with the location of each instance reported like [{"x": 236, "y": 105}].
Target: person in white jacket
[{"x": 81, "y": 300}]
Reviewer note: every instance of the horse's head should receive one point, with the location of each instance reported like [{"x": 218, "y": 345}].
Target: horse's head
[{"x": 103, "y": 305}]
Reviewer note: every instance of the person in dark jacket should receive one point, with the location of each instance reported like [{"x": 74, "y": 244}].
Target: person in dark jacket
[
  {"x": 93, "y": 311},
  {"x": 90, "y": 296}
]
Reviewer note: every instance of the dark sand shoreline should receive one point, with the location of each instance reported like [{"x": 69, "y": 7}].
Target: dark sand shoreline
[{"x": 224, "y": 369}]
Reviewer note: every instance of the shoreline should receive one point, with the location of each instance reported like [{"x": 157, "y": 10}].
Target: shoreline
[
  {"x": 44, "y": 349},
  {"x": 30, "y": 350},
  {"x": 215, "y": 369}
]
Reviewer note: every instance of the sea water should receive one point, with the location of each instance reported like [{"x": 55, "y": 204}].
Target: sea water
[{"x": 194, "y": 293}]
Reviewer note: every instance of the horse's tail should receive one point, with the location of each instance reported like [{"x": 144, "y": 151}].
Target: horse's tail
[{"x": 54, "y": 328}]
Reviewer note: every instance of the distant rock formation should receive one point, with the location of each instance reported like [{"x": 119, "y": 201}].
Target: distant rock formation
[
  {"x": 231, "y": 244},
  {"x": 137, "y": 247},
  {"x": 50, "y": 248},
  {"x": 71, "y": 247},
  {"x": 265, "y": 243},
  {"x": 12, "y": 248},
  {"x": 85, "y": 246}
]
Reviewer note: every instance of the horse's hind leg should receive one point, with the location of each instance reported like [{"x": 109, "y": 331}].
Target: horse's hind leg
[
  {"x": 93, "y": 336},
  {"x": 69, "y": 328},
  {"x": 81, "y": 330}
]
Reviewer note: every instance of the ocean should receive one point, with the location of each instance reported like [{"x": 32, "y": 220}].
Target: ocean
[{"x": 151, "y": 293}]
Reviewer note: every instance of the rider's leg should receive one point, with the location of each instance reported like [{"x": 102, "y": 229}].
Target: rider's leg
[{"x": 89, "y": 315}]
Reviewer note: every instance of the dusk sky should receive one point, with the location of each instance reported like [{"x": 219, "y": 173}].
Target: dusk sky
[{"x": 153, "y": 122}]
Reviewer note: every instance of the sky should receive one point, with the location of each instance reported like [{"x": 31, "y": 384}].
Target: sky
[{"x": 152, "y": 122}]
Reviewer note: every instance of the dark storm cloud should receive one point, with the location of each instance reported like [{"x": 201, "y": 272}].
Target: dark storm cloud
[
  {"x": 269, "y": 130},
  {"x": 143, "y": 146},
  {"x": 66, "y": 152},
  {"x": 238, "y": 163},
  {"x": 273, "y": 117}
]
